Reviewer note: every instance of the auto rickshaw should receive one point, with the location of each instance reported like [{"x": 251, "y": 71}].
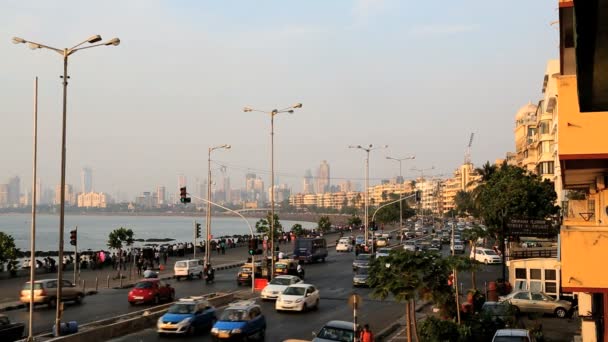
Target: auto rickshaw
[
  {"x": 286, "y": 267},
  {"x": 244, "y": 276}
]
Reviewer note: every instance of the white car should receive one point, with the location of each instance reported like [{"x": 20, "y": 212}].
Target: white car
[
  {"x": 344, "y": 245},
  {"x": 298, "y": 297},
  {"x": 278, "y": 285},
  {"x": 409, "y": 246},
  {"x": 457, "y": 247},
  {"x": 382, "y": 252},
  {"x": 485, "y": 255}
]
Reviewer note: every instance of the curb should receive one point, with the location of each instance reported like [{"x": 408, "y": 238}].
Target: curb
[
  {"x": 388, "y": 331},
  {"x": 19, "y": 305}
]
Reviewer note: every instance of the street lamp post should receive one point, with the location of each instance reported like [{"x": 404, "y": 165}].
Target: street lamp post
[
  {"x": 422, "y": 177},
  {"x": 208, "y": 220},
  {"x": 367, "y": 150},
  {"x": 66, "y": 52},
  {"x": 401, "y": 177},
  {"x": 272, "y": 113}
]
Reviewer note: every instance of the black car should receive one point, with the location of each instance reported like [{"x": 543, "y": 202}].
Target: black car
[{"x": 10, "y": 331}]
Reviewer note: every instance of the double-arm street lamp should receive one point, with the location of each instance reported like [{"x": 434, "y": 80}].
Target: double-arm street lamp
[
  {"x": 208, "y": 221},
  {"x": 367, "y": 149},
  {"x": 272, "y": 113},
  {"x": 66, "y": 52},
  {"x": 422, "y": 177},
  {"x": 401, "y": 178}
]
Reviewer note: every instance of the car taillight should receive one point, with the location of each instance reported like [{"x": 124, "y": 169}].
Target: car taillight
[{"x": 42, "y": 293}]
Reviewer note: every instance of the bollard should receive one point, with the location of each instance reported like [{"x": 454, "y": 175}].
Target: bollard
[
  {"x": 108, "y": 281},
  {"x": 120, "y": 276},
  {"x": 96, "y": 284},
  {"x": 84, "y": 285}
]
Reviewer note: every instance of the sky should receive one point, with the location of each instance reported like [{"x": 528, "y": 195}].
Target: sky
[{"x": 418, "y": 76}]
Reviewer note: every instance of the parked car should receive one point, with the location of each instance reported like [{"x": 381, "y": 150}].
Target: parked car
[
  {"x": 360, "y": 277},
  {"x": 513, "y": 335},
  {"x": 188, "y": 269},
  {"x": 45, "y": 292},
  {"x": 277, "y": 285},
  {"x": 341, "y": 331},
  {"x": 362, "y": 260},
  {"x": 344, "y": 245},
  {"x": 526, "y": 301},
  {"x": 151, "y": 291},
  {"x": 10, "y": 331},
  {"x": 298, "y": 297},
  {"x": 241, "y": 321},
  {"x": 499, "y": 311},
  {"x": 187, "y": 316},
  {"x": 485, "y": 255}
]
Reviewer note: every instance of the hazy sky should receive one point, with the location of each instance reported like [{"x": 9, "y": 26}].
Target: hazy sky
[{"x": 419, "y": 76}]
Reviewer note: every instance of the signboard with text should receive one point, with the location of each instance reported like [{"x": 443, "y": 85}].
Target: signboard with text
[{"x": 531, "y": 228}]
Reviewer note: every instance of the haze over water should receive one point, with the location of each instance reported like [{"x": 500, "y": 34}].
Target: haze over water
[{"x": 93, "y": 230}]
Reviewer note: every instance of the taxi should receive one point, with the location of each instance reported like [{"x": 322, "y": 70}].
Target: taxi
[
  {"x": 244, "y": 276},
  {"x": 241, "y": 321},
  {"x": 189, "y": 315},
  {"x": 286, "y": 267}
]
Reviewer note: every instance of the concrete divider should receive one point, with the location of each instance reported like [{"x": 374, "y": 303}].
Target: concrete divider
[{"x": 119, "y": 326}]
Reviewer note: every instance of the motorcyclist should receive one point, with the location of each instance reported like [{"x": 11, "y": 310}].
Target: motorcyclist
[
  {"x": 209, "y": 273},
  {"x": 300, "y": 271}
]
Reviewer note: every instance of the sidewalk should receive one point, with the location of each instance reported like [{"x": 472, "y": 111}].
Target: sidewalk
[
  {"x": 396, "y": 331},
  {"x": 104, "y": 278}
]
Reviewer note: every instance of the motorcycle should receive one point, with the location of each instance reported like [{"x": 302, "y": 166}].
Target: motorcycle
[
  {"x": 209, "y": 275},
  {"x": 301, "y": 273}
]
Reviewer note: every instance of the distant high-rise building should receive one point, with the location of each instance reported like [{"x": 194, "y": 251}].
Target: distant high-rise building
[
  {"x": 181, "y": 181},
  {"x": 39, "y": 194},
  {"x": 161, "y": 195},
  {"x": 70, "y": 196},
  {"x": 3, "y": 195},
  {"x": 86, "y": 180},
  {"x": 346, "y": 186},
  {"x": 323, "y": 179},
  {"x": 14, "y": 191},
  {"x": 307, "y": 183}
]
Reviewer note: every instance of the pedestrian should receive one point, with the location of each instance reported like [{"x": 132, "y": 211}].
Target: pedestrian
[
  {"x": 165, "y": 258},
  {"x": 366, "y": 334}
]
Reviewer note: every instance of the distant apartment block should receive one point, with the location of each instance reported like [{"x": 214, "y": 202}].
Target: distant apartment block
[{"x": 93, "y": 200}]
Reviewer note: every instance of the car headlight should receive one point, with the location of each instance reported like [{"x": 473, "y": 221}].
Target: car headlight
[
  {"x": 214, "y": 330},
  {"x": 236, "y": 331},
  {"x": 159, "y": 322},
  {"x": 186, "y": 320},
  {"x": 299, "y": 300}
]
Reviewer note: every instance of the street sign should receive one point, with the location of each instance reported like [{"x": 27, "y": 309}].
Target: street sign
[
  {"x": 354, "y": 300},
  {"x": 531, "y": 228}
]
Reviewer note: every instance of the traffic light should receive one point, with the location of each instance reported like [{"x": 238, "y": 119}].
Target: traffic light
[
  {"x": 372, "y": 226},
  {"x": 73, "y": 237},
  {"x": 253, "y": 246},
  {"x": 183, "y": 194},
  {"x": 198, "y": 230},
  {"x": 418, "y": 196}
]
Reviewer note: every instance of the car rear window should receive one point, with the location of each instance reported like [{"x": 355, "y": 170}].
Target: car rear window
[
  {"x": 144, "y": 285},
  {"x": 511, "y": 339},
  {"x": 37, "y": 286},
  {"x": 180, "y": 264}
]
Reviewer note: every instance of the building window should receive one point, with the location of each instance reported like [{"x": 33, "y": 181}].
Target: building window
[
  {"x": 550, "y": 275},
  {"x": 544, "y": 127},
  {"x": 535, "y": 273},
  {"x": 520, "y": 273}
]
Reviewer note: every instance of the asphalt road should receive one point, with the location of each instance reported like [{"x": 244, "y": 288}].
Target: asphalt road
[{"x": 334, "y": 280}]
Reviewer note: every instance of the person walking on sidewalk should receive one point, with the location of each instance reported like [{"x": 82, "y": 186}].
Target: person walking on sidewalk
[{"x": 366, "y": 334}]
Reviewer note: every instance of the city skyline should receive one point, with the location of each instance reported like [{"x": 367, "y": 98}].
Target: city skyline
[{"x": 136, "y": 136}]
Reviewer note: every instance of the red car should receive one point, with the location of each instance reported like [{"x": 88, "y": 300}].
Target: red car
[{"x": 151, "y": 291}]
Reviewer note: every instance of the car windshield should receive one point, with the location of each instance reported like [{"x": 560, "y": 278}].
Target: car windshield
[
  {"x": 362, "y": 270},
  {"x": 280, "y": 281},
  {"x": 37, "y": 286},
  {"x": 246, "y": 269},
  {"x": 363, "y": 257},
  {"x": 233, "y": 315},
  {"x": 490, "y": 252},
  {"x": 281, "y": 266},
  {"x": 181, "y": 308},
  {"x": 294, "y": 291},
  {"x": 384, "y": 251},
  {"x": 336, "y": 334},
  {"x": 144, "y": 285}
]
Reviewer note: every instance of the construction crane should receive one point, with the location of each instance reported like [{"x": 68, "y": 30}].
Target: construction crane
[{"x": 467, "y": 153}]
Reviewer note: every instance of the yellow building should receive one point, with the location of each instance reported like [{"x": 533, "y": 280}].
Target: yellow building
[
  {"x": 93, "y": 200},
  {"x": 464, "y": 179},
  {"x": 583, "y": 158},
  {"x": 525, "y": 137}
]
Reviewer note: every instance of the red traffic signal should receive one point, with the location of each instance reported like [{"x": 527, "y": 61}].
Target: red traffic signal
[{"x": 73, "y": 237}]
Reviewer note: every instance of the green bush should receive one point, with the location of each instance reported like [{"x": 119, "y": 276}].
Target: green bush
[{"x": 437, "y": 330}]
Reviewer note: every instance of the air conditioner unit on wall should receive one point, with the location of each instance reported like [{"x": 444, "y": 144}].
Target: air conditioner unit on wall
[{"x": 600, "y": 182}]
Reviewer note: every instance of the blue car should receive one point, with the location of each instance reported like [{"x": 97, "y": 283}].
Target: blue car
[
  {"x": 187, "y": 316},
  {"x": 242, "y": 321}
]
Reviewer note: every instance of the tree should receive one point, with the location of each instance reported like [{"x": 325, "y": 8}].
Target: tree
[
  {"x": 263, "y": 225},
  {"x": 512, "y": 192},
  {"x": 324, "y": 224},
  {"x": 8, "y": 252},
  {"x": 354, "y": 221},
  {"x": 120, "y": 238},
  {"x": 465, "y": 204},
  {"x": 297, "y": 230},
  {"x": 472, "y": 235}
]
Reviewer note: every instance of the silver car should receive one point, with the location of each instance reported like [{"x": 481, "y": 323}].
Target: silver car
[
  {"x": 341, "y": 331},
  {"x": 526, "y": 301}
]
